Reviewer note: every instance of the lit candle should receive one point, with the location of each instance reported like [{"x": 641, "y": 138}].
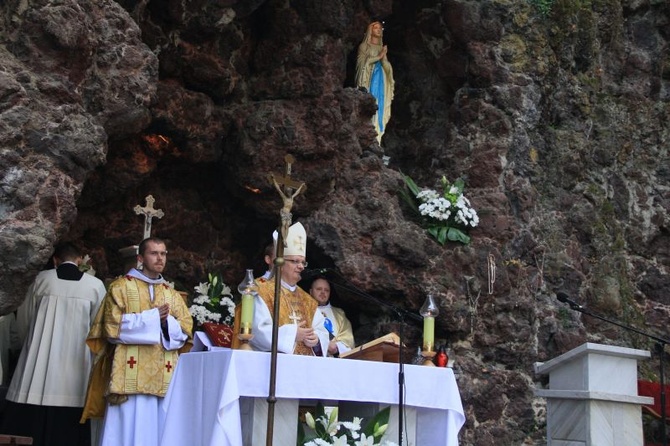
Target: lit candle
[{"x": 428, "y": 333}]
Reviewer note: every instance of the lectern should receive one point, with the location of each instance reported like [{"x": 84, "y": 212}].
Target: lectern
[{"x": 592, "y": 398}]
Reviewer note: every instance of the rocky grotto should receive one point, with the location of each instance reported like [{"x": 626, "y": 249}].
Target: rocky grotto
[{"x": 555, "y": 113}]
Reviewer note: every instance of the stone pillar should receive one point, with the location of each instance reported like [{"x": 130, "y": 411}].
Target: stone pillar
[{"x": 592, "y": 398}]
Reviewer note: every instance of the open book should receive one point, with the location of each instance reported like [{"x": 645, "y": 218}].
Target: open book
[{"x": 383, "y": 349}]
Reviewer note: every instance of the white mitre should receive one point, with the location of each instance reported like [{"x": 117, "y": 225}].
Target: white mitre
[
  {"x": 275, "y": 236},
  {"x": 296, "y": 241}
]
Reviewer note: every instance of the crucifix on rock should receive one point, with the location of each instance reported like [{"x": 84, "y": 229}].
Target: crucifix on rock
[
  {"x": 149, "y": 213},
  {"x": 288, "y": 188}
]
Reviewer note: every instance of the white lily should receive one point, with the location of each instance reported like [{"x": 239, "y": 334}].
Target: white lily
[{"x": 309, "y": 419}]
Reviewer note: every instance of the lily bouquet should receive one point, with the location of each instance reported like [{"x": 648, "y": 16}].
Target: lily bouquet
[
  {"x": 213, "y": 302},
  {"x": 325, "y": 430},
  {"x": 446, "y": 215}
]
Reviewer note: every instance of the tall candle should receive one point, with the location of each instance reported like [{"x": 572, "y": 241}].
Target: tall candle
[
  {"x": 247, "y": 313},
  {"x": 247, "y": 290},
  {"x": 428, "y": 333}
]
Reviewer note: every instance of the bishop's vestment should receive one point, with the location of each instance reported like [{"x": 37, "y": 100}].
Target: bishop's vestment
[{"x": 295, "y": 305}]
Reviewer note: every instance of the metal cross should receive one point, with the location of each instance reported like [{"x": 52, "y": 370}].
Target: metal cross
[
  {"x": 287, "y": 194},
  {"x": 149, "y": 212},
  {"x": 286, "y": 181}
]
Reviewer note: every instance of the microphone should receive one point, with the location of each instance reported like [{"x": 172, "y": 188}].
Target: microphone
[
  {"x": 562, "y": 297},
  {"x": 310, "y": 273}
]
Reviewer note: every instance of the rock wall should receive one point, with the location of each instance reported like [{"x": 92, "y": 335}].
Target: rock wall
[{"x": 558, "y": 123}]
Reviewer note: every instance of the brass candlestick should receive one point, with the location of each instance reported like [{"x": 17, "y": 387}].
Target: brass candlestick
[
  {"x": 245, "y": 336},
  {"x": 428, "y": 357}
]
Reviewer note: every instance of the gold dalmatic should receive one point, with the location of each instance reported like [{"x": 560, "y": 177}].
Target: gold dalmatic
[{"x": 145, "y": 369}]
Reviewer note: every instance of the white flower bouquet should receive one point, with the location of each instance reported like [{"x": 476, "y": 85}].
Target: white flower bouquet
[
  {"x": 326, "y": 430},
  {"x": 213, "y": 302},
  {"x": 446, "y": 215}
]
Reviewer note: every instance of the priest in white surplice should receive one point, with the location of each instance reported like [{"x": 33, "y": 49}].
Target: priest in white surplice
[
  {"x": 337, "y": 324},
  {"x": 301, "y": 327},
  {"x": 51, "y": 376},
  {"x": 142, "y": 326}
]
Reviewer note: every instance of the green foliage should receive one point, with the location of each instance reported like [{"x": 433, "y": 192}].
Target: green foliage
[{"x": 543, "y": 6}]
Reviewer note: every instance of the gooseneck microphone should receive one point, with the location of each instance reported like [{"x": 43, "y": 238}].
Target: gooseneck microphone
[
  {"x": 562, "y": 297},
  {"x": 310, "y": 273}
]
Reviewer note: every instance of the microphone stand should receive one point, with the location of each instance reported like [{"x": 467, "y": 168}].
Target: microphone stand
[
  {"x": 401, "y": 315},
  {"x": 660, "y": 347}
]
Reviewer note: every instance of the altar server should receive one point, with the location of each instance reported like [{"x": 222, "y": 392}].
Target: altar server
[
  {"x": 142, "y": 327},
  {"x": 49, "y": 384}
]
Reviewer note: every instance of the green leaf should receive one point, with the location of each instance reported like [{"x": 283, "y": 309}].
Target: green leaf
[
  {"x": 409, "y": 200},
  {"x": 319, "y": 428},
  {"x": 333, "y": 416},
  {"x": 302, "y": 439},
  {"x": 411, "y": 184},
  {"x": 378, "y": 420},
  {"x": 442, "y": 235},
  {"x": 456, "y": 235},
  {"x": 460, "y": 185}
]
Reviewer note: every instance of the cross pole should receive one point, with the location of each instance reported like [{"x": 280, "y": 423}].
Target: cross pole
[
  {"x": 288, "y": 189},
  {"x": 149, "y": 212}
]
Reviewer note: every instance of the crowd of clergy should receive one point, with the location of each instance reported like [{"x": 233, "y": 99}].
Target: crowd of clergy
[{"x": 96, "y": 362}]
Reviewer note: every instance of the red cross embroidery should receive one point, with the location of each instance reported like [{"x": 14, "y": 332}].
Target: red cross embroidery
[
  {"x": 168, "y": 366},
  {"x": 131, "y": 361}
]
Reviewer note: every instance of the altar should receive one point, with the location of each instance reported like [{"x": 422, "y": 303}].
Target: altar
[{"x": 202, "y": 406}]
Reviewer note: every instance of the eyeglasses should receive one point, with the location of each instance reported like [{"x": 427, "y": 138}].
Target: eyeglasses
[{"x": 297, "y": 262}]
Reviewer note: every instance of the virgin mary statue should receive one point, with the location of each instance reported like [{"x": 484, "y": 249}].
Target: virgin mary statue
[{"x": 375, "y": 74}]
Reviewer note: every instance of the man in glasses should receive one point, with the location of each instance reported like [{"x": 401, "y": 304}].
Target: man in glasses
[{"x": 301, "y": 326}]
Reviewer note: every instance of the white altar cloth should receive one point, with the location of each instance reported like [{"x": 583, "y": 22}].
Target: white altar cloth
[{"x": 202, "y": 403}]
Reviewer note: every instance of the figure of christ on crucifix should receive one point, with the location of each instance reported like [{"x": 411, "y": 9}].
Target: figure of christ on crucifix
[
  {"x": 149, "y": 212},
  {"x": 290, "y": 190},
  {"x": 282, "y": 304}
]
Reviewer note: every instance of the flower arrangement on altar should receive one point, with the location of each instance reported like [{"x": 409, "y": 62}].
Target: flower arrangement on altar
[
  {"x": 446, "y": 215},
  {"x": 325, "y": 429},
  {"x": 213, "y": 302}
]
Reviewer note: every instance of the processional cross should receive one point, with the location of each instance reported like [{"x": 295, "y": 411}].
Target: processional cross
[
  {"x": 149, "y": 212},
  {"x": 290, "y": 190}
]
